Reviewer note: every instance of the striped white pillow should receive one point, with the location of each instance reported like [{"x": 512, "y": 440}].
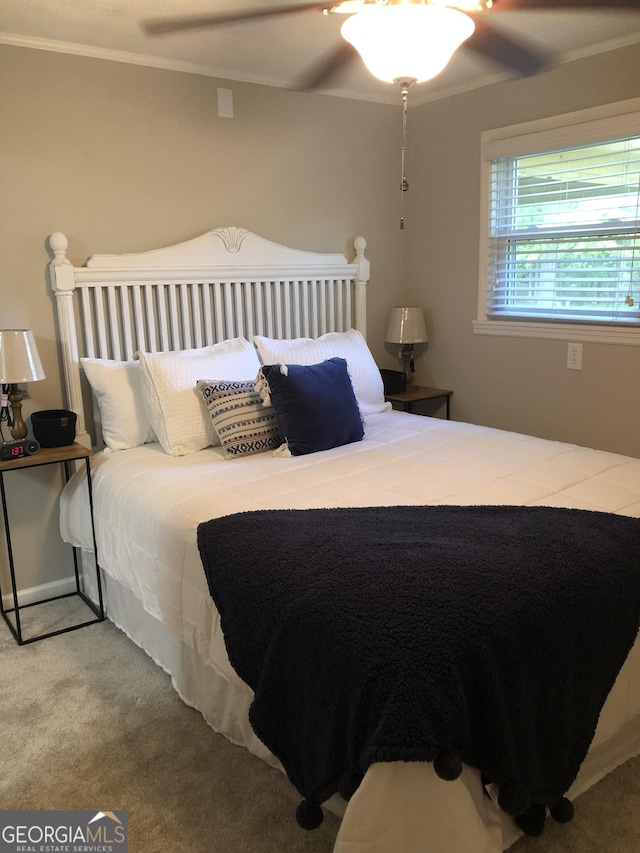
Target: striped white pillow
[
  {"x": 171, "y": 401},
  {"x": 350, "y": 345}
]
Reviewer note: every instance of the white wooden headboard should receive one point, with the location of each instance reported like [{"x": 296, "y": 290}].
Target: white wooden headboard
[{"x": 227, "y": 283}]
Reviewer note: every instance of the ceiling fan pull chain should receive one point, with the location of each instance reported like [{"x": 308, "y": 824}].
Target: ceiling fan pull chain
[{"x": 404, "y": 184}]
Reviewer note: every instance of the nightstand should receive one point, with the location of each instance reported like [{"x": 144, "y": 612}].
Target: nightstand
[
  {"x": 416, "y": 393},
  {"x": 64, "y": 456}
]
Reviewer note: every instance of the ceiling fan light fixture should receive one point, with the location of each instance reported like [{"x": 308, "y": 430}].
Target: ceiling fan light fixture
[{"x": 407, "y": 40}]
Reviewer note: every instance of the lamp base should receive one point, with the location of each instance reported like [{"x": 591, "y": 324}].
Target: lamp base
[
  {"x": 407, "y": 357},
  {"x": 18, "y": 427}
]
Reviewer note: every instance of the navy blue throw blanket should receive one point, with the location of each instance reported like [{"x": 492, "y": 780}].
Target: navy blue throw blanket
[{"x": 489, "y": 635}]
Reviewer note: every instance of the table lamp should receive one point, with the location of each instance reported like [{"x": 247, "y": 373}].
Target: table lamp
[
  {"x": 407, "y": 327},
  {"x": 19, "y": 362}
]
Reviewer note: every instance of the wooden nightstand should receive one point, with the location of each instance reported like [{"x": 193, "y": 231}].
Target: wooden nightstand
[
  {"x": 416, "y": 393},
  {"x": 49, "y": 456}
]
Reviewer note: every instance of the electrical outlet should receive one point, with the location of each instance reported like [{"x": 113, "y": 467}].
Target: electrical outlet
[{"x": 574, "y": 356}]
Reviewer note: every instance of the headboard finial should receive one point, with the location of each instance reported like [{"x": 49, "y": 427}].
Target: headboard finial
[
  {"x": 360, "y": 244},
  {"x": 60, "y": 268},
  {"x": 58, "y": 244},
  {"x": 364, "y": 268}
]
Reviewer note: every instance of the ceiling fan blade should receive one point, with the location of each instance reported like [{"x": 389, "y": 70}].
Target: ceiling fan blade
[
  {"x": 501, "y": 48},
  {"x": 563, "y": 5},
  {"x": 165, "y": 26},
  {"x": 328, "y": 66}
]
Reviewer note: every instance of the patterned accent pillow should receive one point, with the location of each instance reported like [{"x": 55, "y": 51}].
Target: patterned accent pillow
[{"x": 243, "y": 425}]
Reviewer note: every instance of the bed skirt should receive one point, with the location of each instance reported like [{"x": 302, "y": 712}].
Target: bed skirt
[{"x": 389, "y": 789}]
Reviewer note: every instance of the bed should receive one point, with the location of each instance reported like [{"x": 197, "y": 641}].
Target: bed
[{"x": 159, "y": 475}]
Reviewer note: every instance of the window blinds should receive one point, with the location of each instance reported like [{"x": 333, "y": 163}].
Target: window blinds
[{"x": 564, "y": 235}]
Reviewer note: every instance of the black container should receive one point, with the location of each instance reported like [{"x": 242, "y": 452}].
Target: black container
[
  {"x": 394, "y": 381},
  {"x": 54, "y": 427}
]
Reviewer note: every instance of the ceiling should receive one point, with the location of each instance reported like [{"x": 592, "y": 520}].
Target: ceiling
[{"x": 275, "y": 52}]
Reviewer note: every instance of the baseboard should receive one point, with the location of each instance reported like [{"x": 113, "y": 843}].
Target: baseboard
[{"x": 33, "y": 594}]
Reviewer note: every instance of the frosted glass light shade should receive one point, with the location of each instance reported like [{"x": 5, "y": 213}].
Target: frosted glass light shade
[
  {"x": 406, "y": 326},
  {"x": 19, "y": 359},
  {"x": 407, "y": 41}
]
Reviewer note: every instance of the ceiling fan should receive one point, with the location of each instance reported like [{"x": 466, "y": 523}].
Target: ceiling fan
[{"x": 405, "y": 40}]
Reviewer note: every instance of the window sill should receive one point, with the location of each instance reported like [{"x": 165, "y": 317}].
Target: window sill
[{"x": 620, "y": 335}]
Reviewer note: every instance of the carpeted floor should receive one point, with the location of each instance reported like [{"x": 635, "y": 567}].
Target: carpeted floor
[{"x": 90, "y": 722}]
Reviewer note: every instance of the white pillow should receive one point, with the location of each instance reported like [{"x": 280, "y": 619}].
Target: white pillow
[
  {"x": 174, "y": 406},
  {"x": 351, "y": 345},
  {"x": 118, "y": 391}
]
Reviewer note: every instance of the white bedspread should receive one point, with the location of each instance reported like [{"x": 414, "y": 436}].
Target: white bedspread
[{"x": 147, "y": 506}]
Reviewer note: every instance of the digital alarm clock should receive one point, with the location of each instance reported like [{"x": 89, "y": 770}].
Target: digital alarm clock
[{"x": 18, "y": 449}]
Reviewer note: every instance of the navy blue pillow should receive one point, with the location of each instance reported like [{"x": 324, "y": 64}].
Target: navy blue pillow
[{"x": 315, "y": 405}]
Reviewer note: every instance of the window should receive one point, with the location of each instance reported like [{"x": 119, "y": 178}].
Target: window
[{"x": 561, "y": 241}]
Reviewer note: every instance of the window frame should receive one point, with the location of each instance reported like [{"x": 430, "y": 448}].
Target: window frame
[{"x": 582, "y": 127}]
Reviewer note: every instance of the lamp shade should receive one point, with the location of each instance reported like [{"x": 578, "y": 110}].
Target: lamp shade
[
  {"x": 19, "y": 359},
  {"x": 407, "y": 41},
  {"x": 406, "y": 326}
]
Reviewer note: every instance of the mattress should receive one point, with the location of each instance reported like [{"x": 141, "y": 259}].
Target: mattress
[{"x": 147, "y": 506}]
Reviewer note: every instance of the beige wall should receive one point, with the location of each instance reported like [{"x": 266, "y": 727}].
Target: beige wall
[
  {"x": 512, "y": 383},
  {"x": 125, "y": 158}
]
